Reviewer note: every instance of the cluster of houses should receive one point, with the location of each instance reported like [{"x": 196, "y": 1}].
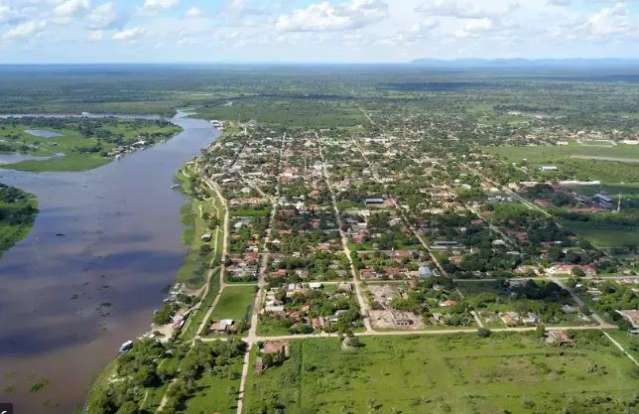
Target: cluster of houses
[{"x": 278, "y": 303}]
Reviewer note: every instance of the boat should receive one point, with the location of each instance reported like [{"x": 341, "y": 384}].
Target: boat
[{"x": 126, "y": 346}]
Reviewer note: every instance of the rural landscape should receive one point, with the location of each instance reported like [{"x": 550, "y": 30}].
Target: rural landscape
[
  {"x": 392, "y": 257},
  {"x": 424, "y": 235}
]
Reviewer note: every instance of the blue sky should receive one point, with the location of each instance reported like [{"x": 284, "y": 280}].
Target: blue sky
[{"x": 87, "y": 31}]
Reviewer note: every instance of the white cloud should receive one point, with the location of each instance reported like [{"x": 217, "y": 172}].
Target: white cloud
[
  {"x": 155, "y": 5},
  {"x": 129, "y": 34},
  {"x": 96, "y": 35},
  {"x": 326, "y": 17},
  {"x": 24, "y": 30},
  {"x": 106, "y": 16},
  {"x": 559, "y": 3},
  {"x": 70, "y": 8},
  {"x": 609, "y": 21},
  {"x": 5, "y": 12},
  {"x": 464, "y": 9},
  {"x": 475, "y": 27},
  {"x": 193, "y": 13}
]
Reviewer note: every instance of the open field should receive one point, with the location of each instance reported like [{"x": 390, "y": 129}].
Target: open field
[
  {"x": 605, "y": 235},
  {"x": 235, "y": 303},
  {"x": 608, "y": 164},
  {"x": 216, "y": 393},
  {"x": 459, "y": 374}
]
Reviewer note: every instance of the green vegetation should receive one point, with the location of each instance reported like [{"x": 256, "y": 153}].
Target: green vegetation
[
  {"x": 503, "y": 373},
  {"x": 200, "y": 216},
  {"x": 193, "y": 323},
  {"x": 235, "y": 303},
  {"x": 298, "y": 112},
  {"x": 578, "y": 160},
  {"x": 17, "y": 213},
  {"x": 170, "y": 378},
  {"x": 79, "y": 143}
]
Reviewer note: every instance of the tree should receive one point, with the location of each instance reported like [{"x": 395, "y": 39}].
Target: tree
[
  {"x": 578, "y": 272},
  {"x": 540, "y": 331},
  {"x": 484, "y": 332}
]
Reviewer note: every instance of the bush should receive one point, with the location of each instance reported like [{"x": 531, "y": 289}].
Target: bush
[{"x": 483, "y": 332}]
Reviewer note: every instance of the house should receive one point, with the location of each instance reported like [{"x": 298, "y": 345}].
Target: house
[
  {"x": 447, "y": 303},
  {"x": 602, "y": 200},
  {"x": 276, "y": 347},
  {"x": 223, "y": 326},
  {"x": 374, "y": 202},
  {"x": 510, "y": 318},
  {"x": 425, "y": 272},
  {"x": 566, "y": 269},
  {"x": 631, "y": 316},
  {"x": 558, "y": 337}
]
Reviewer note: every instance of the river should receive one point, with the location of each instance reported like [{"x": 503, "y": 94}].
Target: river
[{"x": 104, "y": 247}]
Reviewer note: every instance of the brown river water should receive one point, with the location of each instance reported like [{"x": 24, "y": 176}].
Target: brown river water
[{"x": 103, "y": 249}]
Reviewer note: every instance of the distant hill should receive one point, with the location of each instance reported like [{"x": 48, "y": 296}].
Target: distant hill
[{"x": 527, "y": 63}]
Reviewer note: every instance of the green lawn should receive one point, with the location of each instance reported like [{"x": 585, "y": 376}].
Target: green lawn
[
  {"x": 629, "y": 342},
  {"x": 216, "y": 393},
  {"x": 604, "y": 235},
  {"x": 235, "y": 303},
  {"x": 582, "y": 168},
  {"x": 514, "y": 373}
]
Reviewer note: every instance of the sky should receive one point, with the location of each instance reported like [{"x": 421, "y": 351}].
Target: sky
[{"x": 312, "y": 31}]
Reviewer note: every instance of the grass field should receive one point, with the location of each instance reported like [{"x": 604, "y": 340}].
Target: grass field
[
  {"x": 447, "y": 374},
  {"x": 315, "y": 113},
  {"x": 193, "y": 270},
  {"x": 216, "y": 393},
  {"x": 604, "y": 235},
  {"x": 579, "y": 160},
  {"x": 235, "y": 303}
]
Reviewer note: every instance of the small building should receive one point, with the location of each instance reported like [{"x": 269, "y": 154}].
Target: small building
[
  {"x": 206, "y": 237},
  {"x": 558, "y": 337},
  {"x": 631, "y": 316},
  {"x": 374, "y": 202},
  {"x": 223, "y": 326},
  {"x": 548, "y": 168},
  {"x": 425, "y": 272},
  {"x": 276, "y": 347}
]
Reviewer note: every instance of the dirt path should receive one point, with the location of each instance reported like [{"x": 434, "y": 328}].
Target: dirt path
[
  {"x": 363, "y": 303},
  {"x": 598, "y": 158},
  {"x": 621, "y": 348}
]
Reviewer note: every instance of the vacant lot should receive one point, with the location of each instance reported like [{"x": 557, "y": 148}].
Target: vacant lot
[
  {"x": 235, "y": 303},
  {"x": 608, "y": 164},
  {"x": 216, "y": 392},
  {"x": 457, "y": 374}
]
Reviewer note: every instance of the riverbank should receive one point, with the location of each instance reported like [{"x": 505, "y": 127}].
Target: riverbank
[
  {"x": 18, "y": 211},
  {"x": 76, "y": 143},
  {"x": 198, "y": 279},
  {"x": 98, "y": 261}
]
